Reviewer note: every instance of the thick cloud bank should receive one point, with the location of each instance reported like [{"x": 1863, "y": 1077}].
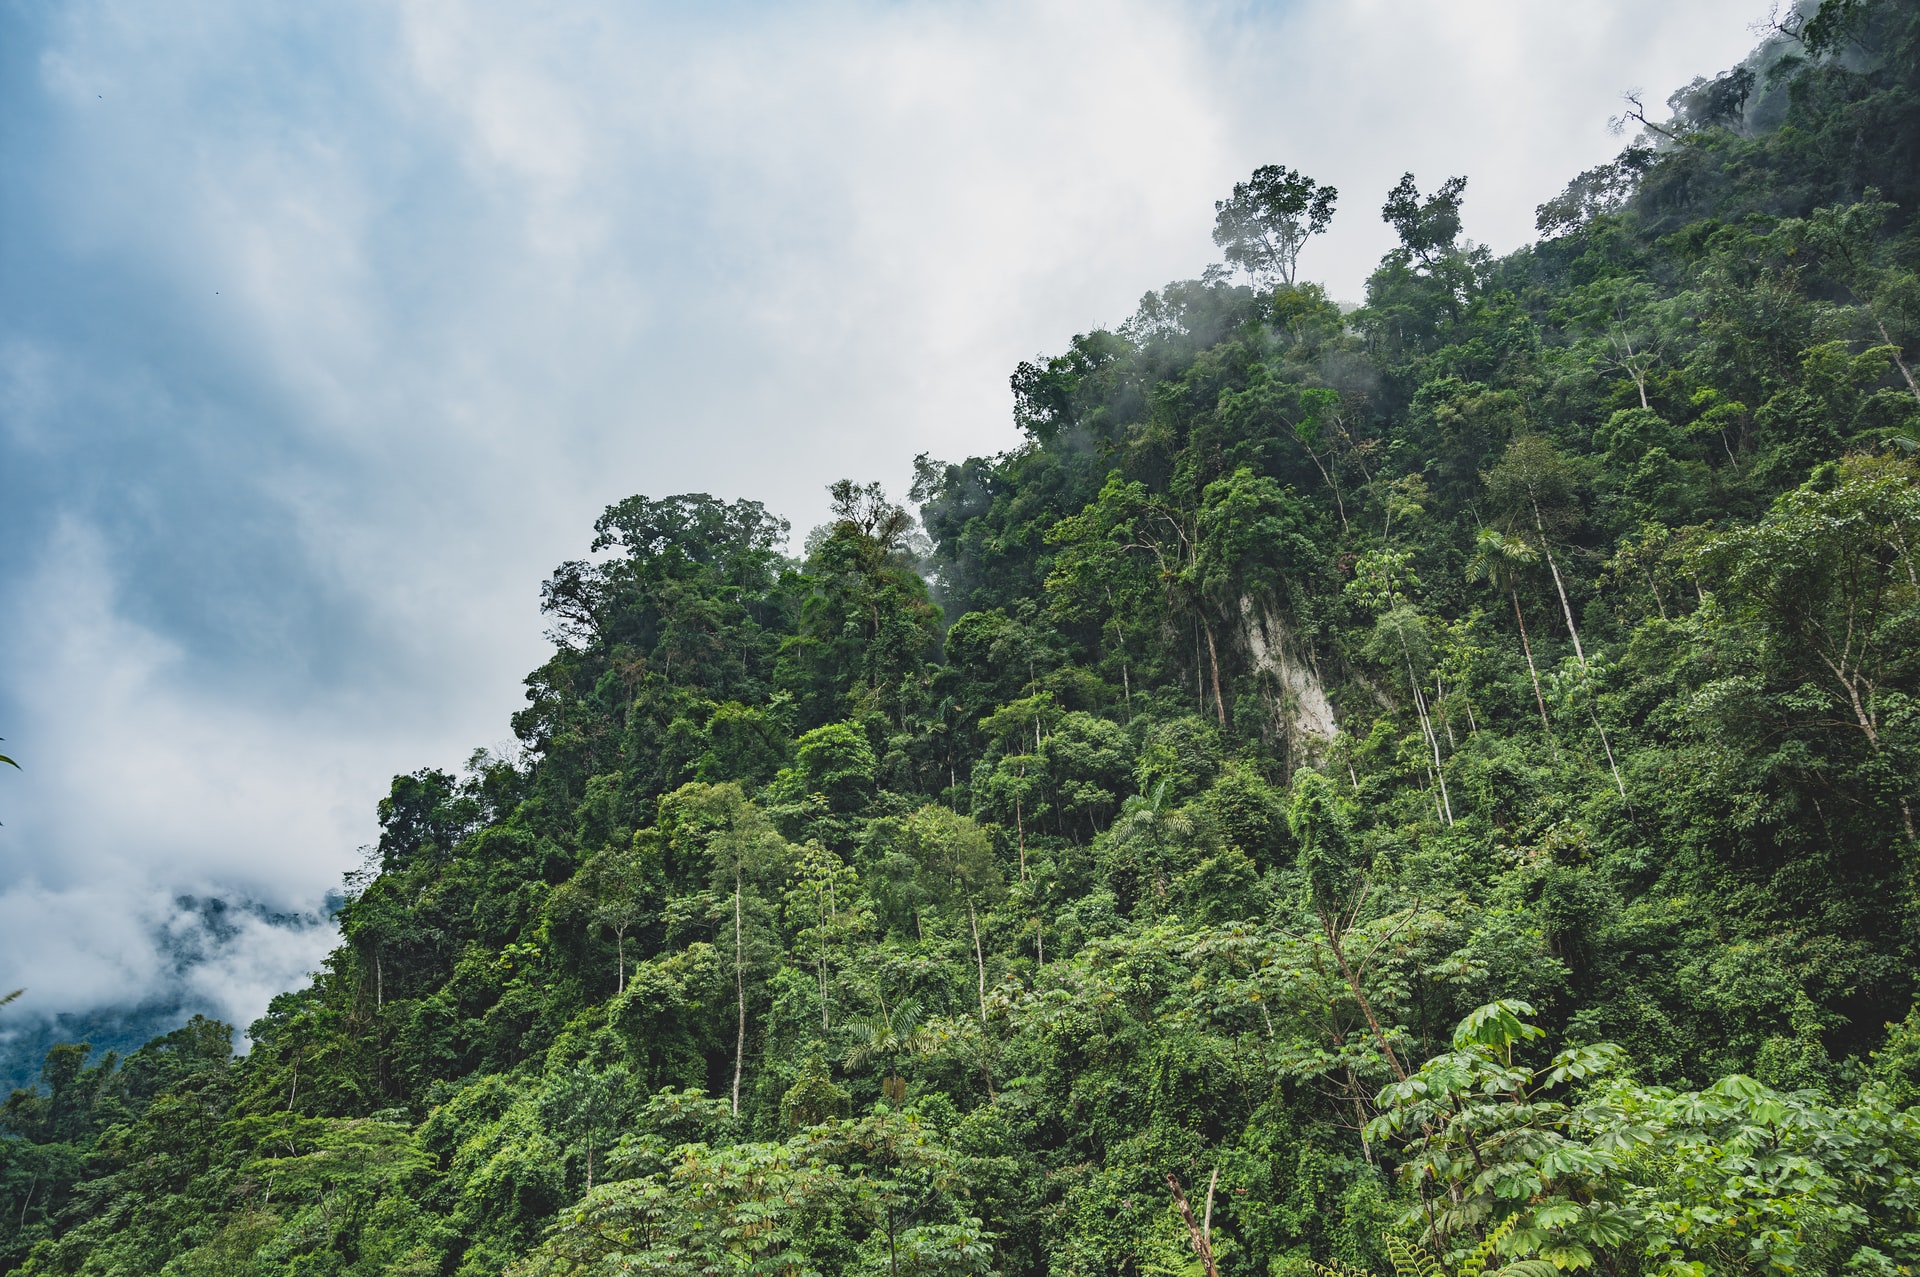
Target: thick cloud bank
[{"x": 325, "y": 332}]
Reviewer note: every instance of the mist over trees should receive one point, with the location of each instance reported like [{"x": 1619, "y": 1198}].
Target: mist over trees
[{"x": 1428, "y": 789}]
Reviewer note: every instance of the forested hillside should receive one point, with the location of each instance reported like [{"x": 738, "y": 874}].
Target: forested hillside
[{"x": 1428, "y": 786}]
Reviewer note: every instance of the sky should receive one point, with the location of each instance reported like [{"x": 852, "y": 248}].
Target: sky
[{"x": 327, "y": 330}]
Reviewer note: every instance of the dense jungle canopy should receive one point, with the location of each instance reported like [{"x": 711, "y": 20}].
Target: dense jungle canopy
[{"x": 1427, "y": 785}]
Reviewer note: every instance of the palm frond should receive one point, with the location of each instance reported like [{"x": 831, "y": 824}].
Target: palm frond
[{"x": 907, "y": 1015}]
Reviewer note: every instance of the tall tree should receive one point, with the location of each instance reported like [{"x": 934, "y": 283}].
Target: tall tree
[
  {"x": 1501, "y": 561},
  {"x": 1428, "y": 227},
  {"x": 740, "y": 845},
  {"x": 1269, "y": 218},
  {"x": 1534, "y": 487}
]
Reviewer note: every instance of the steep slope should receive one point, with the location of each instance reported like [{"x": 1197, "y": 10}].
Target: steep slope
[{"x": 1515, "y": 674}]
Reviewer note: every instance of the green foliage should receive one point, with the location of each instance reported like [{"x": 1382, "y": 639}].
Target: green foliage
[
  {"x": 1525, "y": 657},
  {"x": 1608, "y": 1172},
  {"x": 1326, "y": 852}
]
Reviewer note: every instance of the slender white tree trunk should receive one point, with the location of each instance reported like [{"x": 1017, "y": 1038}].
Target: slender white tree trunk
[
  {"x": 1532, "y": 673},
  {"x": 740, "y": 995},
  {"x": 1426, "y": 726},
  {"x": 1559, "y": 585},
  {"x": 980, "y": 959}
]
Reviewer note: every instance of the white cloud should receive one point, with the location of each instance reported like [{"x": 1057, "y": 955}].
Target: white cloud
[{"x": 136, "y": 793}]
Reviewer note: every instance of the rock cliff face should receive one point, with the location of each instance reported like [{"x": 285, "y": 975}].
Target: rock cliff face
[{"x": 1290, "y": 683}]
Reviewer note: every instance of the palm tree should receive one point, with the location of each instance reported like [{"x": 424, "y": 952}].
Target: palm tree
[
  {"x": 888, "y": 1035},
  {"x": 1501, "y": 561}
]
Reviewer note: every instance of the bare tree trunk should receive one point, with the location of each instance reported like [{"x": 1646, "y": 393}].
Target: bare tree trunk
[
  {"x": 1906, "y": 559},
  {"x": 1591, "y": 713},
  {"x": 1332, "y": 927},
  {"x": 1888, "y": 341},
  {"x": 1355, "y": 1094},
  {"x": 1120, "y": 640},
  {"x": 1202, "y": 1243},
  {"x": 1426, "y": 726},
  {"x": 1635, "y": 363},
  {"x": 1527, "y": 647},
  {"x": 1580, "y": 653},
  {"x": 1870, "y": 727},
  {"x": 980, "y": 959},
  {"x": 1199, "y": 678},
  {"x": 827, "y": 912},
  {"x": 1020, "y": 825},
  {"x": 1559, "y": 585},
  {"x": 740, "y": 994},
  {"x": 820, "y": 968},
  {"x": 1213, "y": 661},
  {"x": 1338, "y": 504},
  {"x": 1433, "y": 740}
]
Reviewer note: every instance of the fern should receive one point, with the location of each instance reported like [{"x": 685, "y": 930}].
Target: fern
[
  {"x": 1410, "y": 1260},
  {"x": 1194, "y": 1268},
  {"x": 1476, "y": 1261}
]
